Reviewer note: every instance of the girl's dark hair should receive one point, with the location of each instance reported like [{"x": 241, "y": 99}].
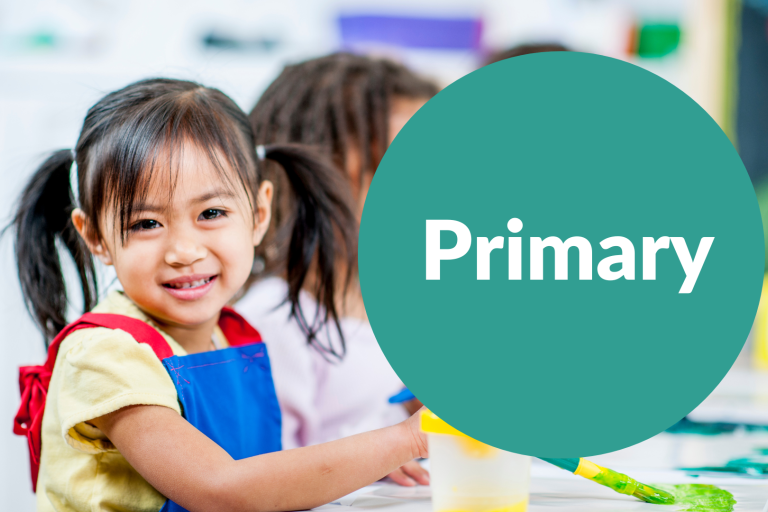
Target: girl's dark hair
[
  {"x": 126, "y": 137},
  {"x": 524, "y": 49},
  {"x": 334, "y": 103}
]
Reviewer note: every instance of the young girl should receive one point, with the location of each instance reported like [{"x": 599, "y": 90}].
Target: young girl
[
  {"x": 350, "y": 107},
  {"x": 161, "y": 397}
]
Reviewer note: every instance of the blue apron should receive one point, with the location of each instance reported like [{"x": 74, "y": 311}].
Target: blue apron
[{"x": 229, "y": 395}]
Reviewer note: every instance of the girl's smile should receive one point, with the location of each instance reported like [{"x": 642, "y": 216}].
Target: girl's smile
[{"x": 190, "y": 287}]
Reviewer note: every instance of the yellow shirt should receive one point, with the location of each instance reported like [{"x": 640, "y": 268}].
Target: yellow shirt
[{"x": 99, "y": 371}]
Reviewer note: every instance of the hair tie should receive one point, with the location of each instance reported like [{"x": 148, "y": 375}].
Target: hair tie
[
  {"x": 73, "y": 181},
  {"x": 261, "y": 152}
]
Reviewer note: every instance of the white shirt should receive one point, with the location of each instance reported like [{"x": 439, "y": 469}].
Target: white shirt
[{"x": 320, "y": 400}]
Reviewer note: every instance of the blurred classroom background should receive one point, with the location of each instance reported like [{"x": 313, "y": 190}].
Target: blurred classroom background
[{"x": 58, "y": 58}]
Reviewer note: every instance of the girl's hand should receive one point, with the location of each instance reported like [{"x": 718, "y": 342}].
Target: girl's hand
[
  {"x": 419, "y": 439},
  {"x": 409, "y": 474},
  {"x": 412, "y": 405}
]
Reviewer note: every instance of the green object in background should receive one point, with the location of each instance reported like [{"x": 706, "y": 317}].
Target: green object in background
[
  {"x": 755, "y": 465},
  {"x": 761, "y": 191},
  {"x": 42, "y": 39},
  {"x": 732, "y": 23},
  {"x": 711, "y": 428},
  {"x": 656, "y": 40}
]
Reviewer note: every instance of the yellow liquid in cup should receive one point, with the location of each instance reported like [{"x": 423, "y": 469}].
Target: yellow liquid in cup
[{"x": 521, "y": 506}]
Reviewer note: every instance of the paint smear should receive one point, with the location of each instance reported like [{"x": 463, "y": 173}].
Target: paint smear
[{"x": 700, "y": 497}]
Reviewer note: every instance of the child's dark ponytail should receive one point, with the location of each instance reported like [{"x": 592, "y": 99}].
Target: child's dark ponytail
[
  {"x": 117, "y": 150},
  {"x": 322, "y": 238},
  {"x": 43, "y": 217}
]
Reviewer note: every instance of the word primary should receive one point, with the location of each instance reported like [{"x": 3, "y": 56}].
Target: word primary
[{"x": 625, "y": 260}]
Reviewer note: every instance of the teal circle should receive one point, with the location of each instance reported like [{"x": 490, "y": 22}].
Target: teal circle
[{"x": 573, "y": 145}]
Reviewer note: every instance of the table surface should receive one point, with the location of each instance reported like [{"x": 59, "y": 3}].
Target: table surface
[
  {"x": 741, "y": 397},
  {"x": 550, "y": 492}
]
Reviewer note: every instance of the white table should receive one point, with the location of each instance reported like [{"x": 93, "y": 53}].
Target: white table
[
  {"x": 552, "y": 489},
  {"x": 741, "y": 397}
]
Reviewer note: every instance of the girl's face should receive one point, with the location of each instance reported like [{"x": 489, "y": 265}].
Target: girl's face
[{"x": 182, "y": 260}]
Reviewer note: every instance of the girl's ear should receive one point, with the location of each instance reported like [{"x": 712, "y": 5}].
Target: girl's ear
[
  {"x": 263, "y": 212},
  {"x": 90, "y": 236}
]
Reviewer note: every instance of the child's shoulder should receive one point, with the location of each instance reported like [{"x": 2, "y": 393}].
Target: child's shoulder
[
  {"x": 96, "y": 343},
  {"x": 101, "y": 369}
]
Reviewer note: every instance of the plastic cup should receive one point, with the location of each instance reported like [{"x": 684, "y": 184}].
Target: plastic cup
[{"x": 469, "y": 476}]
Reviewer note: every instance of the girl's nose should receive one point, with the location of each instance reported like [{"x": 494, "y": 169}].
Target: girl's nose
[{"x": 184, "y": 251}]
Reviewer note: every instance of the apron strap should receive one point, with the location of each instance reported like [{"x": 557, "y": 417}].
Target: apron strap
[
  {"x": 34, "y": 380},
  {"x": 236, "y": 329},
  {"x": 141, "y": 331}
]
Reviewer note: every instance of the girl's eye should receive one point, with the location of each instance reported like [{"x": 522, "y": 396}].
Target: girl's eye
[
  {"x": 145, "y": 224},
  {"x": 212, "y": 213}
]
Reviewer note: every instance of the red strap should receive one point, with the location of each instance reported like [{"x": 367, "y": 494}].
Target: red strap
[
  {"x": 141, "y": 331},
  {"x": 34, "y": 380},
  {"x": 236, "y": 329}
]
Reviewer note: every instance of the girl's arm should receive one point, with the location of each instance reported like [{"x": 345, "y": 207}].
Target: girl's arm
[{"x": 186, "y": 466}]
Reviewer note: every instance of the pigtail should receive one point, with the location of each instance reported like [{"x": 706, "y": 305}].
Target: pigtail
[
  {"x": 43, "y": 216},
  {"x": 323, "y": 235}
]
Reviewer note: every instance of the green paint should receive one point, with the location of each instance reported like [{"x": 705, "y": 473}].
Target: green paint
[
  {"x": 653, "y": 495},
  {"x": 625, "y": 485},
  {"x": 687, "y": 497},
  {"x": 700, "y": 497}
]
